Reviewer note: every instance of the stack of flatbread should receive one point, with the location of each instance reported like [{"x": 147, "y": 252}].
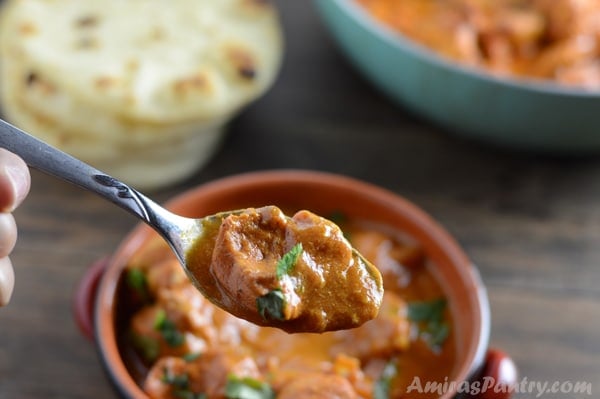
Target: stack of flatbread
[{"x": 140, "y": 89}]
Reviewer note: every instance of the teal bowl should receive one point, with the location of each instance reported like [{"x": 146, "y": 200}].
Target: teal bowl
[{"x": 516, "y": 113}]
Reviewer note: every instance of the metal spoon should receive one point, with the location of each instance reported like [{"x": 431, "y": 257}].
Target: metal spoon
[
  {"x": 178, "y": 231},
  {"x": 181, "y": 233}
]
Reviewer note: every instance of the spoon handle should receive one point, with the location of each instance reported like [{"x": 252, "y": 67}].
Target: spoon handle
[{"x": 50, "y": 160}]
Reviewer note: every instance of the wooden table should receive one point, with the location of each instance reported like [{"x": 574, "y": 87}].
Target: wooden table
[{"x": 531, "y": 224}]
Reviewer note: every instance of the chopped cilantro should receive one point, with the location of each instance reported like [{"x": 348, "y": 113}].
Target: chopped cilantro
[
  {"x": 381, "y": 388},
  {"x": 430, "y": 316},
  {"x": 247, "y": 388},
  {"x": 181, "y": 385},
  {"x": 136, "y": 280},
  {"x": 438, "y": 334},
  {"x": 186, "y": 394},
  {"x": 168, "y": 330},
  {"x": 190, "y": 357},
  {"x": 178, "y": 381},
  {"x": 426, "y": 311},
  {"x": 270, "y": 305},
  {"x": 288, "y": 260},
  {"x": 148, "y": 347}
]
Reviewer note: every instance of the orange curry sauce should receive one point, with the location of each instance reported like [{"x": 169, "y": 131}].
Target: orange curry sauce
[
  {"x": 557, "y": 40},
  {"x": 179, "y": 345}
]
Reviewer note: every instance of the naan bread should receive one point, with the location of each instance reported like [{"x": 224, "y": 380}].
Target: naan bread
[
  {"x": 149, "y": 60},
  {"x": 134, "y": 87}
]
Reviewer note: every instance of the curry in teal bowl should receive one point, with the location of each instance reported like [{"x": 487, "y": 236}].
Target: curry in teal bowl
[{"x": 519, "y": 112}]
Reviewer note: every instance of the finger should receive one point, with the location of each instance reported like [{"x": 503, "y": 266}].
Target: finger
[
  {"x": 7, "y": 280},
  {"x": 14, "y": 180},
  {"x": 8, "y": 234}
]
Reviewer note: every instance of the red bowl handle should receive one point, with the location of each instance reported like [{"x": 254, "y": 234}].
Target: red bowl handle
[
  {"x": 85, "y": 298},
  {"x": 498, "y": 376}
]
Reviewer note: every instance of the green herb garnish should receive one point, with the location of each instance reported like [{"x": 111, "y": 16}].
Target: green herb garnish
[
  {"x": 178, "y": 381},
  {"x": 438, "y": 334},
  {"x": 288, "y": 260},
  {"x": 271, "y": 305},
  {"x": 168, "y": 330},
  {"x": 187, "y": 394},
  {"x": 136, "y": 280},
  {"x": 190, "y": 357},
  {"x": 430, "y": 316},
  {"x": 148, "y": 347},
  {"x": 181, "y": 385},
  {"x": 247, "y": 388},
  {"x": 381, "y": 388},
  {"x": 426, "y": 311}
]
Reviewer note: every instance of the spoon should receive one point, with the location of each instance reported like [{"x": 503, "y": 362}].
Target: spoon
[
  {"x": 184, "y": 235},
  {"x": 178, "y": 231}
]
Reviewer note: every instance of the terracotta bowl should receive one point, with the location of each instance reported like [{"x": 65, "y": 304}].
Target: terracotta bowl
[{"x": 96, "y": 300}]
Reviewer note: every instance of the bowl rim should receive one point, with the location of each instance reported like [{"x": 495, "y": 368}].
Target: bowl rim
[
  {"x": 404, "y": 43},
  {"x": 106, "y": 341}
]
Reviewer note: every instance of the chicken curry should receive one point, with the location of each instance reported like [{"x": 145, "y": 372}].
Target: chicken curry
[
  {"x": 556, "y": 40},
  {"x": 177, "y": 344},
  {"x": 296, "y": 273}
]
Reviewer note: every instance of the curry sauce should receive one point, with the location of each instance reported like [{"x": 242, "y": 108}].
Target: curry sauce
[
  {"x": 556, "y": 40},
  {"x": 180, "y": 345}
]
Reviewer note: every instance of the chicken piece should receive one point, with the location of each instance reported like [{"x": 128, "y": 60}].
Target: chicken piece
[
  {"x": 210, "y": 325},
  {"x": 166, "y": 376},
  {"x": 384, "y": 336},
  {"x": 154, "y": 334},
  {"x": 318, "y": 386},
  {"x": 164, "y": 275},
  {"x": 569, "y": 18},
  {"x": 562, "y": 55},
  {"x": 299, "y": 274},
  {"x": 350, "y": 368},
  {"x": 394, "y": 260},
  {"x": 173, "y": 378}
]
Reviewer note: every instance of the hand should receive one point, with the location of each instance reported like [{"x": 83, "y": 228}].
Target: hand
[{"x": 14, "y": 186}]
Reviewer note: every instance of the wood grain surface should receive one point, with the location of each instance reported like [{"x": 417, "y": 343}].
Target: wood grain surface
[{"x": 530, "y": 223}]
